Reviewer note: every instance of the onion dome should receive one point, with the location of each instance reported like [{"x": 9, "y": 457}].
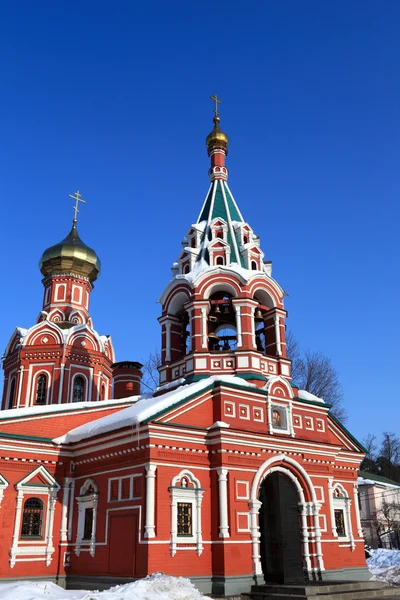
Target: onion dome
[
  {"x": 71, "y": 255},
  {"x": 217, "y": 138}
]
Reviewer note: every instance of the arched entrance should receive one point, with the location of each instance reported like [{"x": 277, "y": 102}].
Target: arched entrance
[{"x": 279, "y": 522}]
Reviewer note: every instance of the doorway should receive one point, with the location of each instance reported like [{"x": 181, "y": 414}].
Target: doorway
[
  {"x": 122, "y": 545},
  {"x": 279, "y": 520}
]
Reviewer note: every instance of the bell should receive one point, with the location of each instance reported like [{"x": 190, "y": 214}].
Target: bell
[
  {"x": 258, "y": 315},
  {"x": 213, "y": 336},
  {"x": 227, "y": 309},
  {"x": 217, "y": 310}
]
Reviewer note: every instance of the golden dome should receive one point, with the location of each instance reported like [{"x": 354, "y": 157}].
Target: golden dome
[
  {"x": 217, "y": 138},
  {"x": 71, "y": 256}
]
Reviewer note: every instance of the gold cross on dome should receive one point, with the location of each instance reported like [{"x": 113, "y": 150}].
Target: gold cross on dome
[
  {"x": 77, "y": 198},
  {"x": 217, "y": 101}
]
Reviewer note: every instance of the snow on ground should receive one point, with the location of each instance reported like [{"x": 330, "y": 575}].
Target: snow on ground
[
  {"x": 155, "y": 587},
  {"x": 385, "y": 565}
]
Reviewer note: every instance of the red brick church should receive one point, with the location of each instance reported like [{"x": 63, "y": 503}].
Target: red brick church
[{"x": 228, "y": 474}]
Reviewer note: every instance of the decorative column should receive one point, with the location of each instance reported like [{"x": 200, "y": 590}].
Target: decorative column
[
  {"x": 290, "y": 417},
  {"x": 304, "y": 534},
  {"x": 168, "y": 341},
  {"x": 64, "y": 510},
  {"x": 238, "y": 316},
  {"x": 223, "y": 502},
  {"x": 349, "y": 523},
  {"x": 61, "y": 383},
  {"x": 204, "y": 332},
  {"x": 253, "y": 328},
  {"x": 255, "y": 506},
  {"x": 94, "y": 523},
  {"x": 332, "y": 511},
  {"x": 357, "y": 508},
  {"x": 17, "y": 524},
  {"x": 317, "y": 529},
  {"x": 150, "y": 496},
  {"x": 277, "y": 335},
  {"x": 79, "y": 533},
  {"x": 20, "y": 378},
  {"x": 50, "y": 522},
  {"x": 190, "y": 315},
  {"x": 174, "y": 524},
  {"x": 199, "y": 533},
  {"x": 71, "y": 508}
]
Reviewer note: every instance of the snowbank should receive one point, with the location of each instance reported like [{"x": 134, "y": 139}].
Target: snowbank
[
  {"x": 385, "y": 565},
  {"x": 155, "y": 587}
]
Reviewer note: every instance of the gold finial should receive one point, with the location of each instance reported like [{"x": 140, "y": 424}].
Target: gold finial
[
  {"x": 217, "y": 101},
  {"x": 77, "y": 198}
]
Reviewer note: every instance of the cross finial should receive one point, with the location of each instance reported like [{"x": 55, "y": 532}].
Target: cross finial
[
  {"x": 217, "y": 101},
  {"x": 77, "y": 198}
]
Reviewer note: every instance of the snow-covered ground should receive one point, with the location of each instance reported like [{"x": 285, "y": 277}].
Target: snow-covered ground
[
  {"x": 385, "y": 565},
  {"x": 154, "y": 587}
]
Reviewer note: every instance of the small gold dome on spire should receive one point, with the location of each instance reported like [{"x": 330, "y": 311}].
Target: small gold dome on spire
[
  {"x": 217, "y": 138},
  {"x": 71, "y": 255}
]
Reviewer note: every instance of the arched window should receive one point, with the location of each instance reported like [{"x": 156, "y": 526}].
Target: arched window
[
  {"x": 12, "y": 393},
  {"x": 32, "y": 518},
  {"x": 220, "y": 260},
  {"x": 79, "y": 388},
  {"x": 41, "y": 389},
  {"x": 103, "y": 392},
  {"x": 254, "y": 266},
  {"x": 245, "y": 239}
]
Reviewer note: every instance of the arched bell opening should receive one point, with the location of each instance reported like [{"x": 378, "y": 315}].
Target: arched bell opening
[
  {"x": 262, "y": 324},
  {"x": 280, "y": 530},
  {"x": 222, "y": 332},
  {"x": 185, "y": 334}
]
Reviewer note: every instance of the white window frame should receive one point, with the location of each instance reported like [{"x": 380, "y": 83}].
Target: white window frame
[
  {"x": 342, "y": 502},
  {"x": 284, "y": 412},
  {"x": 192, "y": 494},
  {"x": 87, "y": 501}
]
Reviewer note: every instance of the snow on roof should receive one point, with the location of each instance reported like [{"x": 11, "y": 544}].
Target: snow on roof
[
  {"x": 43, "y": 410},
  {"x": 304, "y": 395},
  {"x": 220, "y": 425},
  {"x": 380, "y": 481},
  {"x": 202, "y": 266},
  {"x": 144, "y": 409}
]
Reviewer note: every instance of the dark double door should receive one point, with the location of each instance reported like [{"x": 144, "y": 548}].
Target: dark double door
[{"x": 280, "y": 542}]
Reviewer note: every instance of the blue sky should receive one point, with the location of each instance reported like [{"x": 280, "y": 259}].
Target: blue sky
[{"x": 113, "y": 99}]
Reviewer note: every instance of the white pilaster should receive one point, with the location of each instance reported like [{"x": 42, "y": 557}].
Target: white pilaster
[
  {"x": 349, "y": 523},
  {"x": 149, "y": 528},
  {"x": 357, "y": 508},
  {"x": 317, "y": 530},
  {"x": 64, "y": 510},
  {"x": 277, "y": 335},
  {"x": 253, "y": 327},
  {"x": 17, "y": 524},
  {"x": 94, "y": 526},
  {"x": 61, "y": 383},
  {"x": 332, "y": 511},
  {"x": 204, "y": 333},
  {"x": 238, "y": 324},
  {"x": 71, "y": 509},
  {"x": 305, "y": 535},
  {"x": 255, "y": 506},
  {"x": 168, "y": 341},
  {"x": 50, "y": 522},
  {"x": 223, "y": 502}
]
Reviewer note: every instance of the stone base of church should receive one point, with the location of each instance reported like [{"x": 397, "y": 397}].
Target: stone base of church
[
  {"x": 349, "y": 574},
  {"x": 226, "y": 585}
]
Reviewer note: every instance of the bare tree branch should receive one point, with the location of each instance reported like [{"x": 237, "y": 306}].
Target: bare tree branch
[{"x": 151, "y": 379}]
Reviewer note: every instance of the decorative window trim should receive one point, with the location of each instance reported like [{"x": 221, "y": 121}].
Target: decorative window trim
[
  {"x": 87, "y": 501},
  {"x": 85, "y": 389},
  {"x": 192, "y": 494},
  {"x": 247, "y": 492},
  {"x": 132, "y": 495},
  {"x": 283, "y": 410},
  {"x": 49, "y": 387},
  {"x": 340, "y": 501},
  {"x": 241, "y": 529},
  {"x": 42, "y": 549}
]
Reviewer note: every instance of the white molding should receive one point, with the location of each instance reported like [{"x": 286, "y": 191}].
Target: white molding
[{"x": 193, "y": 495}]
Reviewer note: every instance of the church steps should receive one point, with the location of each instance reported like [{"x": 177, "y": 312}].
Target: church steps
[{"x": 343, "y": 591}]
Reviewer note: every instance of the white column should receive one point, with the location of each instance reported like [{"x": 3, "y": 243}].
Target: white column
[
  {"x": 61, "y": 384},
  {"x": 80, "y": 528},
  {"x": 71, "y": 509},
  {"x": 50, "y": 522},
  {"x": 255, "y": 506},
  {"x": 238, "y": 324},
  {"x": 17, "y": 524},
  {"x": 20, "y": 379},
  {"x": 304, "y": 535},
  {"x": 332, "y": 511},
  {"x": 94, "y": 524},
  {"x": 277, "y": 335},
  {"x": 223, "y": 502},
  {"x": 269, "y": 410},
  {"x": 168, "y": 341},
  {"x": 349, "y": 523},
  {"x": 357, "y": 507},
  {"x": 290, "y": 417},
  {"x": 64, "y": 510},
  {"x": 253, "y": 328},
  {"x": 150, "y": 493},
  {"x": 174, "y": 524},
  {"x": 199, "y": 534},
  {"x": 204, "y": 333},
  {"x": 190, "y": 345},
  {"x": 317, "y": 529}
]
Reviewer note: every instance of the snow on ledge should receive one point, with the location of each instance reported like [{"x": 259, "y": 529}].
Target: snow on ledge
[
  {"x": 144, "y": 409},
  {"x": 304, "y": 395},
  {"x": 40, "y": 409}
]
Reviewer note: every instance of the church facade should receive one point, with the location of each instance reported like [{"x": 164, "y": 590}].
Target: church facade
[{"x": 228, "y": 474}]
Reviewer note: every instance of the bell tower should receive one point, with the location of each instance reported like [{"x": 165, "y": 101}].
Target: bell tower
[
  {"x": 222, "y": 312},
  {"x": 61, "y": 358}
]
